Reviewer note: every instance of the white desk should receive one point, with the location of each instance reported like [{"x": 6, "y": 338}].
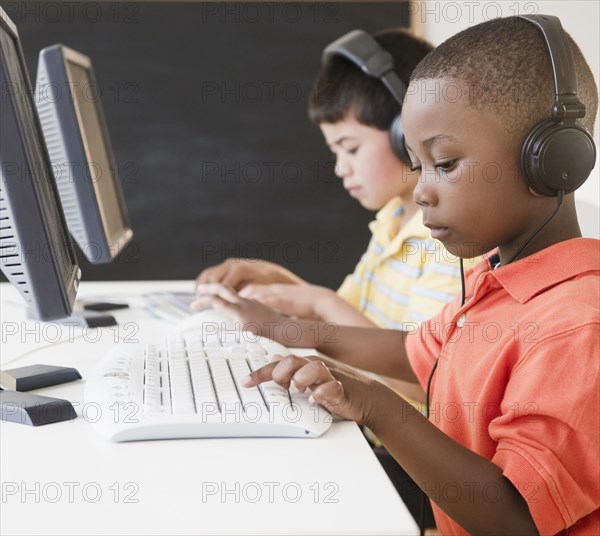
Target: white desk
[{"x": 64, "y": 478}]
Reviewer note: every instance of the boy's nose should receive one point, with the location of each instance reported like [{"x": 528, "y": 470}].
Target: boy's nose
[
  {"x": 341, "y": 169},
  {"x": 423, "y": 193}
]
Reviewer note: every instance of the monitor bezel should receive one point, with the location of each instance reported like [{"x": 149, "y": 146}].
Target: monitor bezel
[{"x": 51, "y": 296}]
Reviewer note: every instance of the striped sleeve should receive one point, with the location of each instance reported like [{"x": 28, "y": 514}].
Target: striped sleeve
[
  {"x": 351, "y": 288},
  {"x": 437, "y": 285}
]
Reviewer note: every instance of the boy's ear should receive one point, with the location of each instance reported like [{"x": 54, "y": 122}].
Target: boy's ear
[{"x": 534, "y": 193}]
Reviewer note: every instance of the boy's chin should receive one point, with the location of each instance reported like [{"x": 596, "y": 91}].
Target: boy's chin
[
  {"x": 371, "y": 205},
  {"x": 464, "y": 251}
]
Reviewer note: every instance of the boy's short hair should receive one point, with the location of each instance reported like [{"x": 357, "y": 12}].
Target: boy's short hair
[
  {"x": 341, "y": 88},
  {"x": 506, "y": 67}
]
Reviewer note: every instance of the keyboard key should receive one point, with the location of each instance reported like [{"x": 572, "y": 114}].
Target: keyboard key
[
  {"x": 224, "y": 385},
  {"x": 181, "y": 389},
  {"x": 212, "y": 340},
  {"x": 237, "y": 350},
  {"x": 175, "y": 345},
  {"x": 249, "y": 395},
  {"x": 204, "y": 393}
]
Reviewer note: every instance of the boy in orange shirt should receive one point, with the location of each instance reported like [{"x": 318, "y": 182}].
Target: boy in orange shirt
[{"x": 511, "y": 367}]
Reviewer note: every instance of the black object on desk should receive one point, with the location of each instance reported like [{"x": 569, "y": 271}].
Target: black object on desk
[
  {"x": 104, "y": 306},
  {"x": 37, "y": 376},
  {"x": 35, "y": 410},
  {"x": 97, "y": 320}
]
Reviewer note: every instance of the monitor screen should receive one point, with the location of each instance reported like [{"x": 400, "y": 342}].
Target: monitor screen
[
  {"x": 81, "y": 154},
  {"x": 36, "y": 254}
]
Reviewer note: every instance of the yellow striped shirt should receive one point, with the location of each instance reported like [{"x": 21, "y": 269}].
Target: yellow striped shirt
[{"x": 405, "y": 277}]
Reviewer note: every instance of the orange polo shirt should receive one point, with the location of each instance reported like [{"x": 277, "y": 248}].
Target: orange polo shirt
[{"x": 517, "y": 381}]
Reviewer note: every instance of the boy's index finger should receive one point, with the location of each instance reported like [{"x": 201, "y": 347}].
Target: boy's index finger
[{"x": 263, "y": 374}]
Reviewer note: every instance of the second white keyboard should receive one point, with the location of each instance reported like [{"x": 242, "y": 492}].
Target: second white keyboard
[{"x": 191, "y": 387}]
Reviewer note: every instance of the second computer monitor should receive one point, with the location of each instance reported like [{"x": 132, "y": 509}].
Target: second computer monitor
[{"x": 72, "y": 118}]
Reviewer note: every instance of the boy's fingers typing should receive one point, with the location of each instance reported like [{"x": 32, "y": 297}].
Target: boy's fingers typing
[
  {"x": 231, "y": 272},
  {"x": 256, "y": 291},
  {"x": 223, "y": 299},
  {"x": 210, "y": 275},
  {"x": 286, "y": 370},
  {"x": 283, "y": 369},
  {"x": 202, "y": 302},
  {"x": 217, "y": 303},
  {"x": 340, "y": 392},
  {"x": 239, "y": 275},
  {"x": 263, "y": 374},
  {"x": 311, "y": 375},
  {"x": 224, "y": 306},
  {"x": 218, "y": 289}
]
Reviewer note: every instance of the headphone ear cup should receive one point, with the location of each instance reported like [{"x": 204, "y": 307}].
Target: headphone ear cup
[
  {"x": 557, "y": 157},
  {"x": 397, "y": 140}
]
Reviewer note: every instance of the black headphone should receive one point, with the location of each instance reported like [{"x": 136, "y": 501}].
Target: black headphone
[
  {"x": 362, "y": 50},
  {"x": 558, "y": 154}
]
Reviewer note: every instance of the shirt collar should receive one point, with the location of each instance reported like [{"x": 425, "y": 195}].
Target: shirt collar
[
  {"x": 386, "y": 223},
  {"x": 528, "y": 277}
]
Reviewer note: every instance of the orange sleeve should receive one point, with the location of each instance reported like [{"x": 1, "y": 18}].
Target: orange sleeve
[
  {"x": 548, "y": 432},
  {"x": 424, "y": 345}
]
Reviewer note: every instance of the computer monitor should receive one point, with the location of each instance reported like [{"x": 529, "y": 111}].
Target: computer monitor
[
  {"x": 36, "y": 253},
  {"x": 72, "y": 119}
]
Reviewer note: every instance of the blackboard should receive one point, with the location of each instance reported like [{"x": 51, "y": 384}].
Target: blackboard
[{"x": 206, "y": 108}]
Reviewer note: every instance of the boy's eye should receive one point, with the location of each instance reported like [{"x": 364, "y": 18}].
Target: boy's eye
[
  {"x": 415, "y": 167},
  {"x": 352, "y": 150},
  {"x": 446, "y": 166}
]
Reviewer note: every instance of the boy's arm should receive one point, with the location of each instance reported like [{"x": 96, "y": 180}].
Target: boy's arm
[
  {"x": 451, "y": 475},
  {"x": 307, "y": 302},
  {"x": 435, "y": 461},
  {"x": 333, "y": 308},
  {"x": 238, "y": 273},
  {"x": 377, "y": 350},
  {"x": 354, "y": 346}
]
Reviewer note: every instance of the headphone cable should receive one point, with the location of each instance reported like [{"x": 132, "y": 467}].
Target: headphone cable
[
  {"x": 559, "y": 200},
  {"x": 462, "y": 302}
]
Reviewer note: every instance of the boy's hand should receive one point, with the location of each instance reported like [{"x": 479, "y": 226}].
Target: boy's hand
[
  {"x": 303, "y": 301},
  {"x": 252, "y": 315},
  {"x": 338, "y": 388},
  {"x": 310, "y": 302},
  {"x": 237, "y": 273}
]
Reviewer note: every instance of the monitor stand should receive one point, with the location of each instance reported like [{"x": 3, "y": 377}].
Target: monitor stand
[{"x": 81, "y": 318}]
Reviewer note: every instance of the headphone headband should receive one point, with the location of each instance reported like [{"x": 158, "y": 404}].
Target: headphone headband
[
  {"x": 566, "y": 105},
  {"x": 361, "y": 49},
  {"x": 365, "y": 52}
]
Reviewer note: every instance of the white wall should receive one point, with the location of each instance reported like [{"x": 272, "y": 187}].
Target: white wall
[{"x": 437, "y": 20}]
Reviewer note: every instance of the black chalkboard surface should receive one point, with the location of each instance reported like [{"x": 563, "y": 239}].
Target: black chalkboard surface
[{"x": 206, "y": 108}]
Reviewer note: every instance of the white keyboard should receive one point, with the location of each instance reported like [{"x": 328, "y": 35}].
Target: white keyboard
[
  {"x": 191, "y": 388},
  {"x": 169, "y": 306}
]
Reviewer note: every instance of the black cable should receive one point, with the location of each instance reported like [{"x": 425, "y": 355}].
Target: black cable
[
  {"x": 462, "y": 281},
  {"x": 462, "y": 302},
  {"x": 559, "y": 200}
]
